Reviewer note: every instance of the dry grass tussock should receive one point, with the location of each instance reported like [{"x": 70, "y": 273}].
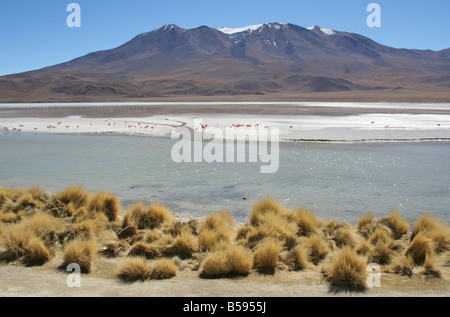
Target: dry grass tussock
[
  {"x": 134, "y": 269},
  {"x": 266, "y": 255},
  {"x": 347, "y": 270},
  {"x": 73, "y": 195},
  {"x": 163, "y": 269},
  {"x": 36, "y": 226},
  {"x": 184, "y": 245},
  {"x": 297, "y": 259},
  {"x": 433, "y": 229},
  {"x": 104, "y": 203},
  {"x": 317, "y": 249},
  {"x": 398, "y": 225},
  {"x": 216, "y": 231},
  {"x": 148, "y": 218},
  {"x": 235, "y": 260},
  {"x": 420, "y": 248},
  {"x": 402, "y": 265},
  {"x": 16, "y": 238},
  {"x": 80, "y": 252}
]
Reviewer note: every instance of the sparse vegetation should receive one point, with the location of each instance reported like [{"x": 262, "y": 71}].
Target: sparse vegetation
[
  {"x": 80, "y": 252},
  {"x": 163, "y": 269},
  {"x": 266, "y": 255},
  {"x": 347, "y": 270},
  {"x": 134, "y": 269},
  {"x": 235, "y": 260},
  {"x": 147, "y": 218},
  {"x": 36, "y": 227}
]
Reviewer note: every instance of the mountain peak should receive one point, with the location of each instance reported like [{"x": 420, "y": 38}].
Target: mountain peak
[
  {"x": 323, "y": 30},
  {"x": 252, "y": 28}
]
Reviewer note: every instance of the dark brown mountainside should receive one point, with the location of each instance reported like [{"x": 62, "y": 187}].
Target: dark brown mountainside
[{"x": 265, "y": 61}]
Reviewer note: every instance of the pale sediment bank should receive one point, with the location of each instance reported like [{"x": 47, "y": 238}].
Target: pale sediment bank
[{"x": 366, "y": 127}]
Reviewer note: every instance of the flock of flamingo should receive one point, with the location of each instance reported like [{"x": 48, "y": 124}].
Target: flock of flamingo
[{"x": 136, "y": 125}]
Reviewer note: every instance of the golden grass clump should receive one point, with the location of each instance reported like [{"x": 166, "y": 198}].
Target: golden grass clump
[
  {"x": 298, "y": 258},
  {"x": 266, "y": 206},
  {"x": 17, "y": 236},
  {"x": 363, "y": 248},
  {"x": 433, "y": 229},
  {"x": 218, "y": 220},
  {"x": 80, "y": 252},
  {"x": 147, "y": 250},
  {"x": 420, "y": 248},
  {"x": 346, "y": 237},
  {"x": 147, "y": 218},
  {"x": 380, "y": 236},
  {"x": 273, "y": 226},
  {"x": 163, "y": 269},
  {"x": 134, "y": 269},
  {"x": 184, "y": 245},
  {"x": 266, "y": 255},
  {"x": 398, "y": 225},
  {"x": 366, "y": 225},
  {"x": 104, "y": 203},
  {"x": 381, "y": 253},
  {"x": 402, "y": 265},
  {"x": 73, "y": 195},
  {"x": 26, "y": 202},
  {"x": 307, "y": 222},
  {"x": 216, "y": 231},
  {"x": 210, "y": 240},
  {"x": 36, "y": 253},
  {"x": 235, "y": 260},
  {"x": 429, "y": 268},
  {"x": 15, "y": 240},
  {"x": 347, "y": 270},
  {"x": 317, "y": 249},
  {"x": 6, "y": 195}
]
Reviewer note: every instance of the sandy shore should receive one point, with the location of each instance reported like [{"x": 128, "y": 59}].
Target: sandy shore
[
  {"x": 20, "y": 281},
  {"x": 295, "y": 121}
]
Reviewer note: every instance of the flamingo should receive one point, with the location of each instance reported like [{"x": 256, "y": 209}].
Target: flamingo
[
  {"x": 21, "y": 125},
  {"x": 386, "y": 126},
  {"x": 439, "y": 125},
  {"x": 291, "y": 127},
  {"x": 67, "y": 126},
  {"x": 372, "y": 122}
]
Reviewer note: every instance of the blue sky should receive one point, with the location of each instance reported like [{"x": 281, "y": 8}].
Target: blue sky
[{"x": 34, "y": 34}]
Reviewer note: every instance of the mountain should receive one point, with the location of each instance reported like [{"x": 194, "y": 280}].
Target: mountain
[{"x": 259, "y": 61}]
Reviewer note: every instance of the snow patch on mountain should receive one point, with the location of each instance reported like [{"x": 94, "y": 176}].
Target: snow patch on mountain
[{"x": 239, "y": 30}]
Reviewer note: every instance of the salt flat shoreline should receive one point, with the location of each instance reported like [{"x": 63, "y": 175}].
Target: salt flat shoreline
[{"x": 304, "y": 128}]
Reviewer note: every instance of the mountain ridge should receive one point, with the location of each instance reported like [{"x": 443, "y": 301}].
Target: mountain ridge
[{"x": 257, "y": 60}]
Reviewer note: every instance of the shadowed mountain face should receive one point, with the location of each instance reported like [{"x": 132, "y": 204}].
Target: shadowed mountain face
[{"x": 260, "y": 60}]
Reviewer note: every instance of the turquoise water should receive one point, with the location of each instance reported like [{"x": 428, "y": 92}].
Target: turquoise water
[{"x": 340, "y": 181}]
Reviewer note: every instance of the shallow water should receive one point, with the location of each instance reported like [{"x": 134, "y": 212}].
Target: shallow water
[{"x": 340, "y": 181}]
